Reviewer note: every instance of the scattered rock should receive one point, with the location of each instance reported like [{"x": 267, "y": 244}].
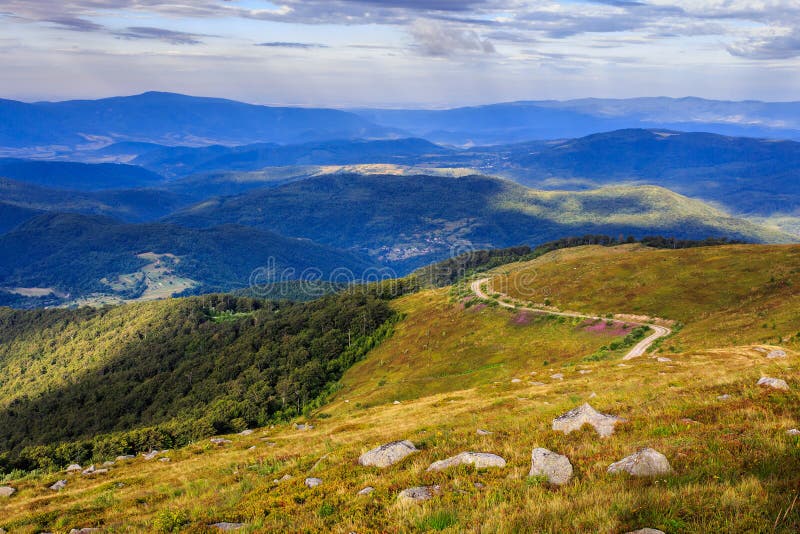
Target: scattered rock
[
  {"x": 480, "y": 460},
  {"x": 7, "y": 491},
  {"x": 396, "y": 402},
  {"x": 99, "y": 472},
  {"x": 366, "y": 491},
  {"x": 536, "y": 383},
  {"x": 246, "y": 432},
  {"x": 585, "y": 414},
  {"x": 303, "y": 426},
  {"x": 89, "y": 470},
  {"x": 774, "y": 383},
  {"x": 646, "y": 531},
  {"x": 109, "y": 463},
  {"x": 312, "y": 482},
  {"x": 723, "y": 397},
  {"x": 645, "y": 462},
  {"x": 663, "y": 359},
  {"x": 220, "y": 441},
  {"x": 388, "y": 454},
  {"x": 84, "y": 530},
  {"x": 418, "y": 494},
  {"x": 125, "y": 457},
  {"x": 58, "y": 486},
  {"x": 776, "y": 354},
  {"x": 164, "y": 460},
  {"x": 584, "y": 371},
  {"x": 284, "y": 478},
  {"x": 556, "y": 467},
  {"x": 150, "y": 455},
  {"x": 793, "y": 432},
  {"x": 74, "y": 468},
  {"x": 228, "y": 526},
  {"x": 482, "y": 432},
  {"x": 515, "y": 380},
  {"x": 557, "y": 376}
]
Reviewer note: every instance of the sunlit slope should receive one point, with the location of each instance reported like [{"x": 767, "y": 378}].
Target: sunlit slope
[{"x": 723, "y": 295}]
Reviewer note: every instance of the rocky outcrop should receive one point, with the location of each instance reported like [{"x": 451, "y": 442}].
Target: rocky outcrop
[
  {"x": 479, "y": 460},
  {"x": 645, "y": 462},
  {"x": 556, "y": 467},
  {"x": 586, "y": 415},
  {"x": 388, "y": 454}
]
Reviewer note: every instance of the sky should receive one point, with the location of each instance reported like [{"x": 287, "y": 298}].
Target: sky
[{"x": 400, "y": 53}]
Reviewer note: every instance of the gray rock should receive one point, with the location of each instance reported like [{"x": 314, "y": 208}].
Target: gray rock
[
  {"x": 586, "y": 415},
  {"x": 284, "y": 478},
  {"x": 150, "y": 455},
  {"x": 663, "y": 359},
  {"x": 388, "y": 454},
  {"x": 480, "y": 460},
  {"x": 220, "y": 441},
  {"x": 396, "y": 402},
  {"x": 776, "y": 354},
  {"x": 228, "y": 526},
  {"x": 246, "y": 432},
  {"x": 58, "y": 486},
  {"x": 793, "y": 432},
  {"x": 366, "y": 491},
  {"x": 84, "y": 530},
  {"x": 312, "y": 482},
  {"x": 125, "y": 457},
  {"x": 108, "y": 463},
  {"x": 556, "y": 467},
  {"x": 646, "y": 531},
  {"x": 515, "y": 380},
  {"x": 482, "y": 432},
  {"x": 645, "y": 462},
  {"x": 89, "y": 470},
  {"x": 774, "y": 383},
  {"x": 7, "y": 491},
  {"x": 73, "y": 468},
  {"x": 303, "y": 426},
  {"x": 723, "y": 397},
  {"x": 557, "y": 376},
  {"x": 99, "y": 472},
  {"x": 418, "y": 494}
]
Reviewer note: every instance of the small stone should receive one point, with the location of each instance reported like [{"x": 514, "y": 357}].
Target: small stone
[
  {"x": 793, "y": 432},
  {"x": 7, "y": 491},
  {"x": 313, "y": 482},
  {"x": 663, "y": 359},
  {"x": 557, "y": 376},
  {"x": 251, "y": 448},
  {"x": 396, "y": 402},
  {"x": 125, "y": 457},
  {"x": 479, "y": 485},
  {"x": 585, "y": 414},
  {"x": 584, "y": 371},
  {"x": 774, "y": 383},
  {"x": 418, "y": 494},
  {"x": 220, "y": 441},
  {"x": 73, "y": 468},
  {"x": 303, "y": 426},
  {"x": 536, "y": 383},
  {"x": 593, "y": 395},
  {"x": 776, "y": 354},
  {"x": 228, "y": 526},
  {"x": 100, "y": 471},
  {"x": 556, "y": 467},
  {"x": 388, "y": 454},
  {"x": 723, "y": 397},
  {"x": 58, "y": 486},
  {"x": 284, "y": 478},
  {"x": 89, "y": 470},
  {"x": 479, "y": 460},
  {"x": 164, "y": 460},
  {"x": 515, "y": 380},
  {"x": 645, "y": 462},
  {"x": 482, "y": 432},
  {"x": 109, "y": 463},
  {"x": 366, "y": 491},
  {"x": 646, "y": 531},
  {"x": 246, "y": 432},
  {"x": 84, "y": 530}
]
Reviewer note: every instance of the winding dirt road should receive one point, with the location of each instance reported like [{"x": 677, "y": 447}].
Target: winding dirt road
[{"x": 635, "y": 352}]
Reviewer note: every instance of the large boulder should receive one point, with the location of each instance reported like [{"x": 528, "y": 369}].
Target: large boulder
[
  {"x": 556, "y": 467},
  {"x": 7, "y": 491},
  {"x": 480, "y": 460},
  {"x": 586, "y": 415},
  {"x": 645, "y": 462},
  {"x": 774, "y": 383},
  {"x": 388, "y": 454}
]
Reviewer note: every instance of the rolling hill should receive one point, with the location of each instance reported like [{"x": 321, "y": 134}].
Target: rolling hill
[
  {"x": 408, "y": 221},
  {"x": 76, "y": 256},
  {"x": 78, "y": 176},
  {"x": 457, "y": 374}
]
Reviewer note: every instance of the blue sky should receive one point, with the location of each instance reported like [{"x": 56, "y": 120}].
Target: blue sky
[{"x": 393, "y": 53}]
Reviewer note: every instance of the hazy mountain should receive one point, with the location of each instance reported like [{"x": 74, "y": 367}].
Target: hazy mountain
[
  {"x": 78, "y": 255},
  {"x": 170, "y": 119},
  {"x": 77, "y": 176},
  {"x": 521, "y": 121},
  {"x": 183, "y": 161},
  {"x": 407, "y": 221}
]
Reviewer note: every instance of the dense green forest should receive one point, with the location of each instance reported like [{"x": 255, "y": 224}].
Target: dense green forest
[{"x": 95, "y": 383}]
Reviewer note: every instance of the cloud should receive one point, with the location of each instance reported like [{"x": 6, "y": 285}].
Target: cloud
[
  {"x": 76, "y": 24},
  {"x": 303, "y": 46},
  {"x": 161, "y": 34},
  {"x": 774, "y": 46},
  {"x": 435, "y": 39}
]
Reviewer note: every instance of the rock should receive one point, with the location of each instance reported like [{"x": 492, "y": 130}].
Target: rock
[
  {"x": 89, "y": 470},
  {"x": 644, "y": 463},
  {"x": 793, "y": 432},
  {"x": 479, "y": 460},
  {"x": 84, "y": 530},
  {"x": 99, "y": 472},
  {"x": 556, "y": 467},
  {"x": 584, "y": 371},
  {"x": 58, "y": 486},
  {"x": 593, "y": 395},
  {"x": 723, "y": 397},
  {"x": 303, "y": 426},
  {"x": 515, "y": 380},
  {"x": 228, "y": 526},
  {"x": 220, "y": 441},
  {"x": 125, "y": 457},
  {"x": 313, "y": 482},
  {"x": 774, "y": 383},
  {"x": 150, "y": 455},
  {"x": 536, "y": 383},
  {"x": 482, "y": 432},
  {"x": 646, "y": 531},
  {"x": 246, "y": 432},
  {"x": 776, "y": 354},
  {"x": 557, "y": 376},
  {"x": 583, "y": 415},
  {"x": 663, "y": 359},
  {"x": 418, "y": 494},
  {"x": 396, "y": 402},
  {"x": 7, "y": 491},
  {"x": 73, "y": 468},
  {"x": 251, "y": 448},
  {"x": 284, "y": 478},
  {"x": 479, "y": 485},
  {"x": 388, "y": 454},
  {"x": 366, "y": 491},
  {"x": 164, "y": 460},
  {"x": 109, "y": 463}
]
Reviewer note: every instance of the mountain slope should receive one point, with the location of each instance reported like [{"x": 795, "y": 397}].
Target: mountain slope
[
  {"x": 78, "y": 176},
  {"x": 170, "y": 119},
  {"x": 408, "y": 221},
  {"x": 80, "y": 256}
]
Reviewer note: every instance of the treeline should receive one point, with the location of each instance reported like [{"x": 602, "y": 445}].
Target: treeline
[
  {"x": 207, "y": 365},
  {"x": 451, "y": 270}
]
